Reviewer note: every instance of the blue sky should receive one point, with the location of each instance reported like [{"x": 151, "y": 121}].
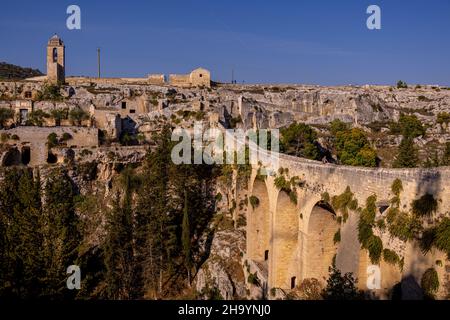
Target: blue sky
[{"x": 312, "y": 42}]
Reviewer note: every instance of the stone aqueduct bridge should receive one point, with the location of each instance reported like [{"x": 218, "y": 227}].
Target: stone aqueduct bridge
[{"x": 289, "y": 242}]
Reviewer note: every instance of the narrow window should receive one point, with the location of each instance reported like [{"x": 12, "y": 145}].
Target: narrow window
[
  {"x": 266, "y": 255},
  {"x": 293, "y": 282},
  {"x": 55, "y": 55},
  {"x": 132, "y": 111},
  {"x": 124, "y": 105}
]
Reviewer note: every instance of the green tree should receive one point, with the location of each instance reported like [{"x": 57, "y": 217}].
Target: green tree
[
  {"x": 40, "y": 242},
  {"x": 443, "y": 117},
  {"x": 299, "y": 140},
  {"x": 408, "y": 126},
  {"x": 50, "y": 92},
  {"x": 353, "y": 148},
  {"x": 126, "y": 139},
  {"x": 337, "y": 126},
  {"x": 62, "y": 235},
  {"x": 52, "y": 140},
  {"x": 407, "y": 156},
  {"x": 432, "y": 159},
  {"x": 186, "y": 237},
  {"x": 162, "y": 235},
  {"x": 29, "y": 239},
  {"x": 11, "y": 272},
  {"x": 340, "y": 287},
  {"x": 36, "y": 118},
  {"x": 5, "y": 116},
  {"x": 66, "y": 137},
  {"x": 402, "y": 85},
  {"x": 153, "y": 214},
  {"x": 430, "y": 283},
  {"x": 21, "y": 260},
  {"x": 77, "y": 115},
  {"x": 119, "y": 248},
  {"x": 59, "y": 114}
]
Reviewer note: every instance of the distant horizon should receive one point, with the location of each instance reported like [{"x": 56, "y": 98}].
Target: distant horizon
[
  {"x": 410, "y": 85},
  {"x": 322, "y": 43}
]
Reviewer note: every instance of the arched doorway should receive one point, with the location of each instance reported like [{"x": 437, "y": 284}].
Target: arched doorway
[
  {"x": 258, "y": 226},
  {"x": 320, "y": 246},
  {"x": 285, "y": 240},
  {"x": 26, "y": 155},
  {"x": 52, "y": 158}
]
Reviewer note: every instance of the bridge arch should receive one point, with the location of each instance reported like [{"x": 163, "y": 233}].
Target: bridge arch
[
  {"x": 259, "y": 221},
  {"x": 285, "y": 242},
  {"x": 320, "y": 249}
]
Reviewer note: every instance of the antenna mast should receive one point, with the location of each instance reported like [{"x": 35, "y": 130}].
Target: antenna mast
[{"x": 98, "y": 61}]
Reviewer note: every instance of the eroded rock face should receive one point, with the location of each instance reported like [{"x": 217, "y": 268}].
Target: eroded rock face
[{"x": 223, "y": 268}]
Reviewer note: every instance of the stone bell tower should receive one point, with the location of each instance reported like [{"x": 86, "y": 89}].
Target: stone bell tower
[{"x": 56, "y": 52}]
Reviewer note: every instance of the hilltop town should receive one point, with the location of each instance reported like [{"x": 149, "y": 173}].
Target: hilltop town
[{"x": 97, "y": 112}]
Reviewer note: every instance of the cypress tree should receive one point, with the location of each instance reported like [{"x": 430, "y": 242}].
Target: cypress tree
[
  {"x": 10, "y": 272},
  {"x": 407, "y": 156},
  {"x": 118, "y": 252},
  {"x": 62, "y": 236},
  {"x": 119, "y": 244},
  {"x": 29, "y": 238},
  {"x": 155, "y": 231},
  {"x": 21, "y": 236},
  {"x": 186, "y": 238}
]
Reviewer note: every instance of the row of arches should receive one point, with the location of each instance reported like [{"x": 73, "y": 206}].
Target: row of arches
[{"x": 289, "y": 252}]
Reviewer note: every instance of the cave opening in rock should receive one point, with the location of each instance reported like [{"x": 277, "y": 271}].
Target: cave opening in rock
[
  {"x": 26, "y": 155},
  {"x": 51, "y": 158}
]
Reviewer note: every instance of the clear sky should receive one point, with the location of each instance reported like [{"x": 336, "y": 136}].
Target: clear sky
[{"x": 283, "y": 41}]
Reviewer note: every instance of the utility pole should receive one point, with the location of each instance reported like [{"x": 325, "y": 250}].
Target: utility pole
[
  {"x": 98, "y": 61},
  {"x": 232, "y": 76}
]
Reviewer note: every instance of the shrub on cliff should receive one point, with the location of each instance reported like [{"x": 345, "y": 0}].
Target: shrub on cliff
[
  {"x": 425, "y": 205},
  {"x": 36, "y": 118},
  {"x": 443, "y": 117},
  {"x": 59, "y": 114},
  {"x": 77, "y": 115},
  {"x": 437, "y": 237},
  {"x": 52, "y": 140},
  {"x": 391, "y": 257},
  {"x": 430, "y": 282},
  {"x": 50, "y": 92},
  {"x": 408, "y": 126}
]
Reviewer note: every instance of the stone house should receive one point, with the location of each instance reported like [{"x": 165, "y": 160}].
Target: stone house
[{"x": 197, "y": 78}]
